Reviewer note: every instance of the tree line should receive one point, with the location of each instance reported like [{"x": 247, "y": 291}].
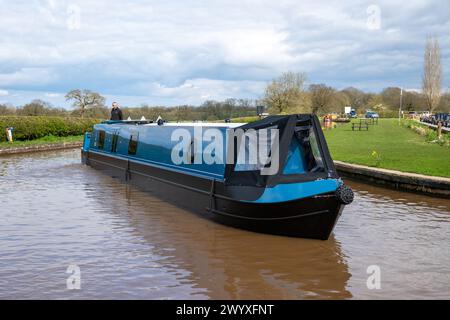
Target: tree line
[
  {"x": 287, "y": 94},
  {"x": 210, "y": 110}
]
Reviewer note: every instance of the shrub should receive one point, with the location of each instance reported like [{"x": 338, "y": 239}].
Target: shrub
[
  {"x": 429, "y": 134},
  {"x": 29, "y": 128},
  {"x": 245, "y": 119},
  {"x": 377, "y": 157}
]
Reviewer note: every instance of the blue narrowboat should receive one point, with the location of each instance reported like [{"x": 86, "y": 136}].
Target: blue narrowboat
[{"x": 301, "y": 196}]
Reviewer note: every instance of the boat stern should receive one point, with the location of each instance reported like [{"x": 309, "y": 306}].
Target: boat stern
[{"x": 85, "y": 147}]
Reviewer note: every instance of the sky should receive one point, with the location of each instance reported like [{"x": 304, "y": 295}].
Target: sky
[{"x": 186, "y": 52}]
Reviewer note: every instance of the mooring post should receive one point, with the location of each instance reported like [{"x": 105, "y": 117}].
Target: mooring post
[{"x": 439, "y": 130}]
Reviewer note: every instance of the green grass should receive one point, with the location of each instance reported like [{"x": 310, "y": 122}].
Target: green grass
[
  {"x": 245, "y": 119},
  {"x": 396, "y": 147},
  {"x": 40, "y": 141}
]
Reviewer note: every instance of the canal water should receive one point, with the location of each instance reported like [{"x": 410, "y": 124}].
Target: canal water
[{"x": 57, "y": 216}]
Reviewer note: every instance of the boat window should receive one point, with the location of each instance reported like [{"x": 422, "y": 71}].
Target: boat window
[
  {"x": 254, "y": 151},
  {"x": 301, "y": 152},
  {"x": 115, "y": 139},
  {"x": 132, "y": 146},
  {"x": 101, "y": 139},
  {"x": 295, "y": 163},
  {"x": 304, "y": 153},
  {"x": 247, "y": 159},
  {"x": 315, "y": 161}
]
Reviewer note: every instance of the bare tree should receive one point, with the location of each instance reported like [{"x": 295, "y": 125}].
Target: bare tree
[
  {"x": 322, "y": 97},
  {"x": 3, "y": 110},
  {"x": 7, "y": 109},
  {"x": 35, "y": 108},
  {"x": 285, "y": 92},
  {"x": 357, "y": 98},
  {"x": 85, "y": 99},
  {"x": 432, "y": 74},
  {"x": 377, "y": 104},
  {"x": 183, "y": 113},
  {"x": 339, "y": 102},
  {"x": 410, "y": 101}
]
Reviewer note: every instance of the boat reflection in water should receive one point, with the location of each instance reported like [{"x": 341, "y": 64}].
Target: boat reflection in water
[{"x": 223, "y": 262}]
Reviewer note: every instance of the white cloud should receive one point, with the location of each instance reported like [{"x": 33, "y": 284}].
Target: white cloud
[
  {"x": 53, "y": 95},
  {"x": 27, "y": 77},
  {"x": 4, "y": 93},
  {"x": 194, "y": 90},
  {"x": 158, "y": 49}
]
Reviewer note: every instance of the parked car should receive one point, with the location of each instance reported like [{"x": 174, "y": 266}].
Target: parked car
[
  {"x": 444, "y": 118},
  {"x": 353, "y": 114},
  {"x": 372, "y": 114},
  {"x": 426, "y": 119}
]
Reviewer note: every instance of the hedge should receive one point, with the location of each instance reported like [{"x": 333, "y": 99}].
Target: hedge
[{"x": 29, "y": 128}]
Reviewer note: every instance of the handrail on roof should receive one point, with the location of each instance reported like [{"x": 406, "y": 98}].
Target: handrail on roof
[{"x": 137, "y": 122}]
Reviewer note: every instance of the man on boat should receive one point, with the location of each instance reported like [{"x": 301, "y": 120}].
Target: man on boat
[{"x": 116, "y": 113}]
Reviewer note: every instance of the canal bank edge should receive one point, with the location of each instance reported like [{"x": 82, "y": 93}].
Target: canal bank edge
[
  {"x": 433, "y": 186},
  {"x": 413, "y": 182},
  {"x": 40, "y": 147}
]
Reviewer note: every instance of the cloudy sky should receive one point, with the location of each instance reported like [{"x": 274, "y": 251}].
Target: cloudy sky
[{"x": 177, "y": 52}]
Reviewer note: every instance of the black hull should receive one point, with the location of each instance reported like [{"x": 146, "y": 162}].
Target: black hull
[{"x": 313, "y": 217}]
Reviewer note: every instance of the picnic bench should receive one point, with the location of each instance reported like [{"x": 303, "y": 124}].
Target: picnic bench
[
  {"x": 373, "y": 120},
  {"x": 370, "y": 121},
  {"x": 360, "y": 126}
]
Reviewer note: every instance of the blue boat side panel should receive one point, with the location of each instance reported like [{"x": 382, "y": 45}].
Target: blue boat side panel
[
  {"x": 293, "y": 191},
  {"x": 155, "y": 146},
  {"x": 86, "y": 141}
]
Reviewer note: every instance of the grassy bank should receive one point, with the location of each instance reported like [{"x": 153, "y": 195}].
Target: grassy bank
[
  {"x": 245, "y": 119},
  {"x": 41, "y": 141},
  {"x": 391, "y": 146}
]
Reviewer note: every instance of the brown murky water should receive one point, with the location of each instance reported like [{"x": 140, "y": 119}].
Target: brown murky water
[{"x": 54, "y": 212}]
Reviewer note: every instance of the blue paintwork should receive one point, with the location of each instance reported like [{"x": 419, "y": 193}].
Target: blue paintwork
[
  {"x": 86, "y": 141},
  {"x": 293, "y": 191},
  {"x": 295, "y": 163},
  {"x": 155, "y": 147}
]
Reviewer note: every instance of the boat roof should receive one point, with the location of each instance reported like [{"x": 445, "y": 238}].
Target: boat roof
[
  {"x": 146, "y": 123},
  {"x": 198, "y": 124}
]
